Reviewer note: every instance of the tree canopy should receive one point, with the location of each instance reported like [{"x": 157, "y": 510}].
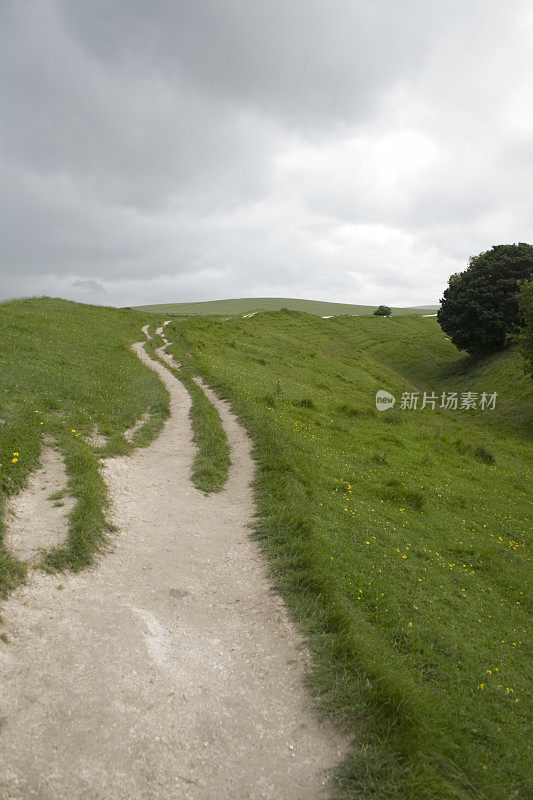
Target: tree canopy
[
  {"x": 525, "y": 340},
  {"x": 479, "y": 309}
]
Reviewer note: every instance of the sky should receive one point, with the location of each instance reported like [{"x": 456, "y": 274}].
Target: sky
[{"x": 359, "y": 151}]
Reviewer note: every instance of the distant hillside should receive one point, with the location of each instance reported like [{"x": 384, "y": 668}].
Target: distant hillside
[{"x": 246, "y": 305}]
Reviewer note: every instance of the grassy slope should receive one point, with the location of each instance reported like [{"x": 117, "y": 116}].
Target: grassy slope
[
  {"x": 66, "y": 368},
  {"x": 433, "y": 363},
  {"x": 246, "y": 305},
  {"x": 399, "y": 551}
]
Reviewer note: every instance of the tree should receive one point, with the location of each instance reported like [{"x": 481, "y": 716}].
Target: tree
[
  {"x": 525, "y": 340},
  {"x": 479, "y": 309},
  {"x": 382, "y": 311}
]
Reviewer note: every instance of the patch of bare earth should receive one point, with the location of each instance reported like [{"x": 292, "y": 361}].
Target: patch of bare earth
[
  {"x": 95, "y": 438},
  {"x": 35, "y": 521},
  {"x": 171, "y": 671}
]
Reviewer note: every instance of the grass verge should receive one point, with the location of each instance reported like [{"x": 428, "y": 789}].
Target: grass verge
[{"x": 398, "y": 544}]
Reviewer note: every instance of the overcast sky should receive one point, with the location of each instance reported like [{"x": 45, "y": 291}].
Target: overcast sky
[{"x": 350, "y": 150}]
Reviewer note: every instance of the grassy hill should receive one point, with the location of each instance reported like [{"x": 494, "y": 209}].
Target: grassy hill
[
  {"x": 397, "y": 538},
  {"x": 247, "y": 305},
  {"x": 67, "y": 370}
]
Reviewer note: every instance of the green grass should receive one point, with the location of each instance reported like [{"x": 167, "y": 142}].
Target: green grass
[
  {"x": 398, "y": 539},
  {"x": 398, "y": 543},
  {"x": 424, "y": 355},
  {"x": 211, "y": 460},
  {"x": 247, "y": 305},
  {"x": 66, "y": 368}
]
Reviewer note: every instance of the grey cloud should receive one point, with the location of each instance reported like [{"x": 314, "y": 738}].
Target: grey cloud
[
  {"x": 309, "y": 61},
  {"x": 128, "y": 138},
  {"x": 241, "y": 147},
  {"x": 90, "y": 285}
]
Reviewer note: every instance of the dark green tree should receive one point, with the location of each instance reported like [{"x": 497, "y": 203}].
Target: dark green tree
[
  {"x": 382, "y": 311},
  {"x": 479, "y": 309},
  {"x": 525, "y": 339}
]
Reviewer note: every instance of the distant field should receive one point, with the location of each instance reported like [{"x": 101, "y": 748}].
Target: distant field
[
  {"x": 398, "y": 538},
  {"x": 246, "y": 305}
]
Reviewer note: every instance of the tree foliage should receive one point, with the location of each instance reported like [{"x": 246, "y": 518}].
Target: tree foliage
[
  {"x": 525, "y": 306},
  {"x": 382, "y": 311},
  {"x": 479, "y": 309}
]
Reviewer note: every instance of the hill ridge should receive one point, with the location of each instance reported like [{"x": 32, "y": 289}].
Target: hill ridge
[{"x": 243, "y": 305}]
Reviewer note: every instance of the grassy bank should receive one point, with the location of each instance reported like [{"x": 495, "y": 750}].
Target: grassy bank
[
  {"x": 67, "y": 370},
  {"x": 396, "y": 538}
]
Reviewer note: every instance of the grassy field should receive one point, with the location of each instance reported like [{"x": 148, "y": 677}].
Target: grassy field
[
  {"x": 397, "y": 538},
  {"x": 67, "y": 370},
  {"x": 247, "y": 305}
]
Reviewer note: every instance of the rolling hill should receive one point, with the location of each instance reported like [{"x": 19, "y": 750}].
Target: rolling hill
[
  {"x": 397, "y": 538},
  {"x": 247, "y": 305}
]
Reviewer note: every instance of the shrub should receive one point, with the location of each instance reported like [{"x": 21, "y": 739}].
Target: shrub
[
  {"x": 382, "y": 311},
  {"x": 484, "y": 455}
]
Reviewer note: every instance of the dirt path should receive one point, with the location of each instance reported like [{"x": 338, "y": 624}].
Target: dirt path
[{"x": 170, "y": 670}]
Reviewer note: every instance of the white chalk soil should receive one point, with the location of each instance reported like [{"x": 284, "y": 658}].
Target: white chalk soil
[
  {"x": 169, "y": 671},
  {"x": 34, "y": 520}
]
